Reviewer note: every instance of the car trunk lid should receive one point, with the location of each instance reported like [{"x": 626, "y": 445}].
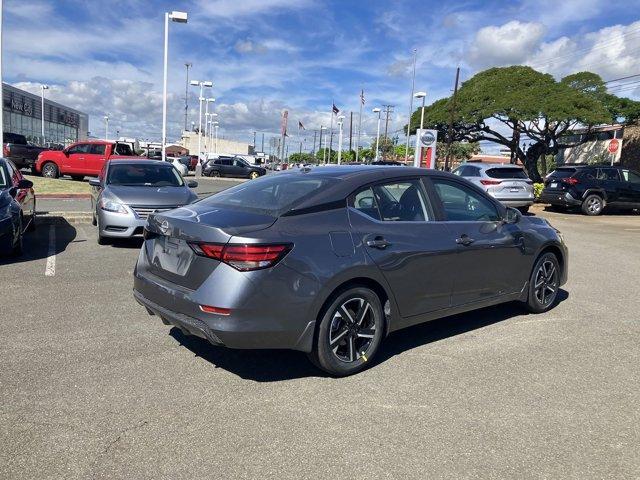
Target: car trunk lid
[{"x": 168, "y": 235}]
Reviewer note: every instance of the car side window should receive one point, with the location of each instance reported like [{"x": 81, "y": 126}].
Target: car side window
[
  {"x": 365, "y": 202},
  {"x": 80, "y": 148},
  {"x": 608, "y": 174},
  {"x": 238, "y": 163},
  {"x": 631, "y": 177},
  {"x": 98, "y": 149},
  {"x": 463, "y": 204},
  {"x": 401, "y": 201}
]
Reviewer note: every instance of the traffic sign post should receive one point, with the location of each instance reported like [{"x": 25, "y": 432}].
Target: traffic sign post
[{"x": 613, "y": 147}]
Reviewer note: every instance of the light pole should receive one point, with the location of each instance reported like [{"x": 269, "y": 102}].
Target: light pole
[
  {"x": 188, "y": 65},
  {"x": 423, "y": 96},
  {"x": 215, "y": 128},
  {"x": 324, "y": 150},
  {"x": 378, "y": 111},
  {"x": 201, "y": 99},
  {"x": 212, "y": 117},
  {"x": 340, "y": 123},
  {"x": 106, "y": 127},
  {"x": 179, "y": 17},
  {"x": 42, "y": 89}
]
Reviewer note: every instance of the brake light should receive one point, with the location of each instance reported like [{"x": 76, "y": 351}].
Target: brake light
[
  {"x": 490, "y": 182},
  {"x": 243, "y": 257},
  {"x": 570, "y": 181}
]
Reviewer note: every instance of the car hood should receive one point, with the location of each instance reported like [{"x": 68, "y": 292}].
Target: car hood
[{"x": 151, "y": 196}]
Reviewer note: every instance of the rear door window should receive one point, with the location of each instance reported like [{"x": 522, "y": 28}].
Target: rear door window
[
  {"x": 401, "y": 201},
  {"x": 364, "y": 201},
  {"x": 508, "y": 173},
  {"x": 98, "y": 149},
  {"x": 562, "y": 173},
  {"x": 608, "y": 174}
]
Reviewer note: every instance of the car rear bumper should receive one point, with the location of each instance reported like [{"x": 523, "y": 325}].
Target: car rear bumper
[
  {"x": 560, "y": 198},
  {"x": 516, "y": 202},
  {"x": 257, "y": 319}
]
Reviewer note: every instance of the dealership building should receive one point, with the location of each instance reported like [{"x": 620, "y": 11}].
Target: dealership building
[{"x": 22, "y": 114}]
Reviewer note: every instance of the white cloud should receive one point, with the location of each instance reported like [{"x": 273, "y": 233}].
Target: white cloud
[
  {"x": 508, "y": 44},
  {"x": 242, "y": 8}
]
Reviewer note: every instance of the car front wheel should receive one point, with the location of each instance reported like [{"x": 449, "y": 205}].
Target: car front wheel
[
  {"x": 544, "y": 284},
  {"x": 350, "y": 332},
  {"x": 254, "y": 175},
  {"x": 50, "y": 170}
]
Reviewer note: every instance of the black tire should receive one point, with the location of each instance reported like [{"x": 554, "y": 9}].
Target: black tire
[
  {"x": 101, "y": 240},
  {"x": 253, "y": 175},
  {"x": 50, "y": 170},
  {"x": 94, "y": 222},
  {"x": 214, "y": 173},
  {"x": 524, "y": 210},
  {"x": 349, "y": 332},
  {"x": 77, "y": 178},
  {"x": 32, "y": 220},
  {"x": 17, "y": 247},
  {"x": 544, "y": 284},
  {"x": 592, "y": 205}
]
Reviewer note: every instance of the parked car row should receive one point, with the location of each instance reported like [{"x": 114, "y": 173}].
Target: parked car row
[
  {"x": 17, "y": 208},
  {"x": 237, "y": 167}
]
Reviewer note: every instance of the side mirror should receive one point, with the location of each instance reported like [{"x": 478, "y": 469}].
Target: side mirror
[
  {"x": 512, "y": 216},
  {"x": 24, "y": 184},
  {"x": 192, "y": 184},
  {"x": 94, "y": 182}
]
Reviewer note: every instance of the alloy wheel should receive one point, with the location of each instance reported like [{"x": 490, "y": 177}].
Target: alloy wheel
[
  {"x": 594, "y": 205},
  {"x": 254, "y": 175},
  {"x": 546, "y": 283},
  {"x": 49, "y": 171},
  {"x": 352, "y": 330}
]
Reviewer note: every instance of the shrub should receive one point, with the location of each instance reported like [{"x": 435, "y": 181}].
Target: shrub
[{"x": 537, "y": 189}]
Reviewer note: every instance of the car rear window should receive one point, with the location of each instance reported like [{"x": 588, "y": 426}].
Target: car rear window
[
  {"x": 271, "y": 195},
  {"x": 506, "y": 173},
  {"x": 562, "y": 173}
]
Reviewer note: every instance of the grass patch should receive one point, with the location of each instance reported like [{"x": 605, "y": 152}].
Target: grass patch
[{"x": 43, "y": 185}]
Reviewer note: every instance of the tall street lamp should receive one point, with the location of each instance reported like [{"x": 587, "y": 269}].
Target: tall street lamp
[
  {"x": 378, "y": 111},
  {"x": 423, "y": 96},
  {"x": 207, "y": 114},
  {"x": 340, "y": 123},
  {"x": 188, "y": 65},
  {"x": 212, "y": 116},
  {"x": 178, "y": 17},
  {"x": 201, "y": 99},
  {"x": 323, "y": 148},
  {"x": 215, "y": 127},
  {"x": 42, "y": 89},
  {"x": 106, "y": 127}
]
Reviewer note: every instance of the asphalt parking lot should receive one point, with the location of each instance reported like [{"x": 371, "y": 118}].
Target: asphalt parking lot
[{"x": 93, "y": 387}]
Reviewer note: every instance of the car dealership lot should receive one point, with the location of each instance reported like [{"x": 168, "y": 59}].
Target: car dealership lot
[{"x": 91, "y": 386}]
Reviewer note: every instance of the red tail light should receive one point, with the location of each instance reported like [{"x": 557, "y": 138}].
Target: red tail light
[
  {"x": 490, "y": 182},
  {"x": 570, "y": 180},
  {"x": 243, "y": 257},
  {"x": 216, "y": 310}
]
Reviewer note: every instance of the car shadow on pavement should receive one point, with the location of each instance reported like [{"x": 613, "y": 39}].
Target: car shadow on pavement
[
  {"x": 256, "y": 365},
  {"x": 278, "y": 365},
  {"x": 37, "y": 244}
]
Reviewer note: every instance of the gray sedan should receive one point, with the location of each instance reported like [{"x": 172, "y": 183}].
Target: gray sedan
[
  {"x": 330, "y": 260},
  {"x": 128, "y": 191}
]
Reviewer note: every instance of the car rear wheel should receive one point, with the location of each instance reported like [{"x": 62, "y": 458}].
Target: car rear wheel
[
  {"x": 254, "y": 175},
  {"x": 214, "y": 173},
  {"x": 18, "y": 248},
  {"x": 50, "y": 170},
  {"x": 544, "y": 284},
  {"x": 349, "y": 333},
  {"x": 593, "y": 205}
]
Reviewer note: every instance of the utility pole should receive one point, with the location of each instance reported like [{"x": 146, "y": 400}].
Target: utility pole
[
  {"x": 186, "y": 96},
  {"x": 315, "y": 132},
  {"x": 254, "y": 140},
  {"x": 262, "y": 150},
  {"x": 388, "y": 109},
  {"x": 447, "y": 160},
  {"x": 320, "y": 143}
]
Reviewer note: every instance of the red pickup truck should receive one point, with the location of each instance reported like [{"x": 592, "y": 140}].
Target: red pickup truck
[{"x": 81, "y": 159}]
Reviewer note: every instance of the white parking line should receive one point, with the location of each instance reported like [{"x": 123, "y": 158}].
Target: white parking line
[{"x": 50, "y": 269}]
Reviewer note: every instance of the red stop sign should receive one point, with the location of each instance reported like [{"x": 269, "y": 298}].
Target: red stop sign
[{"x": 614, "y": 145}]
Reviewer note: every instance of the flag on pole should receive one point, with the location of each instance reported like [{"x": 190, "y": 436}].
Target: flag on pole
[
  {"x": 300, "y": 126},
  {"x": 362, "y": 97},
  {"x": 336, "y": 110},
  {"x": 283, "y": 126}
]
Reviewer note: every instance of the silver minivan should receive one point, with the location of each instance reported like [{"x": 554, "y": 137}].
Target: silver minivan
[{"x": 509, "y": 184}]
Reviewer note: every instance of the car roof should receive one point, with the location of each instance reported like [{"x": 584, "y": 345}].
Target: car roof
[
  {"x": 487, "y": 165},
  {"x": 137, "y": 160}
]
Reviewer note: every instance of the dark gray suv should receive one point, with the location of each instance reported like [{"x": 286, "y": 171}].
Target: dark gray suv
[{"x": 330, "y": 260}]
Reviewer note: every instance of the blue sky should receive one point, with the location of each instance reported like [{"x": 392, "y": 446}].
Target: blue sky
[{"x": 267, "y": 55}]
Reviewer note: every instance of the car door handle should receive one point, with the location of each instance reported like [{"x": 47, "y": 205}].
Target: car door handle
[
  {"x": 464, "y": 240},
  {"x": 378, "y": 242}
]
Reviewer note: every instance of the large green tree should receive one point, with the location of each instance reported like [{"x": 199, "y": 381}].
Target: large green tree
[{"x": 501, "y": 105}]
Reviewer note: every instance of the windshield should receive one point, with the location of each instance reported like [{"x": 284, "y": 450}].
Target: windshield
[
  {"x": 506, "y": 172},
  {"x": 144, "y": 175},
  {"x": 562, "y": 173},
  {"x": 272, "y": 195}
]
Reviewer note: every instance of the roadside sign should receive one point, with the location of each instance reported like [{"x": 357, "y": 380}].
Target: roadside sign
[
  {"x": 425, "y": 153},
  {"x": 613, "y": 146}
]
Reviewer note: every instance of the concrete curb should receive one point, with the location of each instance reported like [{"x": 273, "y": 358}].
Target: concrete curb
[
  {"x": 54, "y": 196},
  {"x": 56, "y": 218}
]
